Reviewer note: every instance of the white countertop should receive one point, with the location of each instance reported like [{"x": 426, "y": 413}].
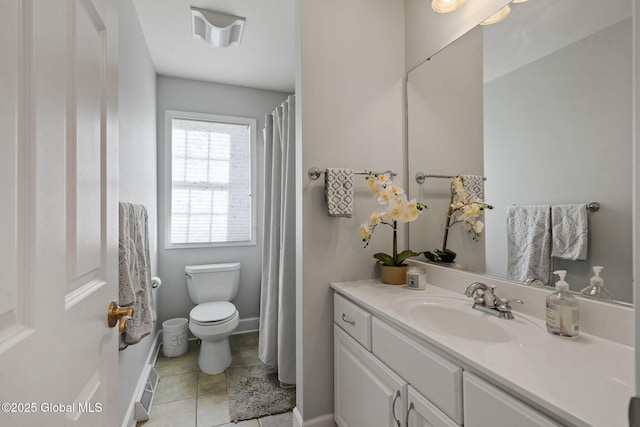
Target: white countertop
[{"x": 586, "y": 381}]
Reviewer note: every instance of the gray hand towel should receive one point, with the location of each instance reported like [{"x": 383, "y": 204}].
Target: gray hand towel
[
  {"x": 338, "y": 189},
  {"x": 570, "y": 231},
  {"x": 135, "y": 272},
  {"x": 528, "y": 241}
]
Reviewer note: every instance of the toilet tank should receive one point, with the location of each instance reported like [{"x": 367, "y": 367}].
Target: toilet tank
[{"x": 212, "y": 282}]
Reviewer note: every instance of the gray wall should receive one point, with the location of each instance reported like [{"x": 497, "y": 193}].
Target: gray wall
[
  {"x": 548, "y": 140},
  {"x": 202, "y": 97},
  {"x": 349, "y": 113},
  {"x": 137, "y": 164}
]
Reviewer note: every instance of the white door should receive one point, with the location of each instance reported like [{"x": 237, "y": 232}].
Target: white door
[{"x": 58, "y": 212}]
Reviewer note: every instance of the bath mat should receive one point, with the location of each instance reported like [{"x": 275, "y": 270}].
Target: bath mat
[{"x": 254, "y": 391}]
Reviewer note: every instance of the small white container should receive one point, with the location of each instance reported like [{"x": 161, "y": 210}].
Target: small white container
[{"x": 416, "y": 278}]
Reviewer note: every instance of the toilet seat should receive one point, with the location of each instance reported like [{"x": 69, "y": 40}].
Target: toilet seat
[{"x": 212, "y": 313}]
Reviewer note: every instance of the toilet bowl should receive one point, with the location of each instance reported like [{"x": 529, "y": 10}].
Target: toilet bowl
[
  {"x": 214, "y": 317},
  {"x": 213, "y": 322}
]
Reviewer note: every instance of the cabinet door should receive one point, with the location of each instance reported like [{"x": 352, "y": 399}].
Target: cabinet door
[
  {"x": 422, "y": 413},
  {"x": 486, "y": 405},
  {"x": 367, "y": 393}
]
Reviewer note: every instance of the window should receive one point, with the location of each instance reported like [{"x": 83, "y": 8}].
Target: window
[{"x": 210, "y": 170}]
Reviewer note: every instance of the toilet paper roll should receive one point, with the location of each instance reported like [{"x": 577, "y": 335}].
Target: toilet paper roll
[{"x": 155, "y": 282}]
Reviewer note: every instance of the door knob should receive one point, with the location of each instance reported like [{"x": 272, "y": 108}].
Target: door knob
[{"x": 119, "y": 315}]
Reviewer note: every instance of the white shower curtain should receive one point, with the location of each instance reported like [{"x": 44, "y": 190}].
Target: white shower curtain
[{"x": 277, "y": 345}]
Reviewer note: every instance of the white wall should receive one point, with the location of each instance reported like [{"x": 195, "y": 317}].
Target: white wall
[
  {"x": 349, "y": 91},
  {"x": 445, "y": 138},
  {"x": 202, "y": 97},
  {"x": 584, "y": 157},
  {"x": 137, "y": 164}
]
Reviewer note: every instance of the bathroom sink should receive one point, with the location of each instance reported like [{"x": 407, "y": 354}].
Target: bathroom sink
[{"x": 454, "y": 317}]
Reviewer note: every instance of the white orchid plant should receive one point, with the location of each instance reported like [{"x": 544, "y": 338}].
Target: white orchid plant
[
  {"x": 398, "y": 209},
  {"x": 463, "y": 209}
]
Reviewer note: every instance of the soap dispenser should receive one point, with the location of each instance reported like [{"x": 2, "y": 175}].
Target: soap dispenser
[
  {"x": 562, "y": 312},
  {"x": 597, "y": 289}
]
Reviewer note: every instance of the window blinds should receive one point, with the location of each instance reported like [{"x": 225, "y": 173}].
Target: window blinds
[{"x": 211, "y": 182}]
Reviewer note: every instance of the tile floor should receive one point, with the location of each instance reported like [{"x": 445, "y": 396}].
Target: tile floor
[{"x": 187, "y": 397}]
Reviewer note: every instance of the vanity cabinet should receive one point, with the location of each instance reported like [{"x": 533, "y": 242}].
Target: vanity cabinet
[
  {"x": 386, "y": 377},
  {"x": 367, "y": 393}
]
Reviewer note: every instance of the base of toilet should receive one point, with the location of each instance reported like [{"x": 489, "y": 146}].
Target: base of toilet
[{"x": 214, "y": 357}]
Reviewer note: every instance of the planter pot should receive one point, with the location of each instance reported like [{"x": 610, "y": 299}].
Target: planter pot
[{"x": 393, "y": 275}]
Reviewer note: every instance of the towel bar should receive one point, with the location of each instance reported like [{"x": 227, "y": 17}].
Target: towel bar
[
  {"x": 421, "y": 177},
  {"x": 314, "y": 172},
  {"x": 593, "y": 206}
]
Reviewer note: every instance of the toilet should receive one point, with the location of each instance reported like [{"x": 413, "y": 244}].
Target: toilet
[{"x": 214, "y": 318}]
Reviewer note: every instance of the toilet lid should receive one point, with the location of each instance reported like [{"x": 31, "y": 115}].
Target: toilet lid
[{"x": 213, "y": 311}]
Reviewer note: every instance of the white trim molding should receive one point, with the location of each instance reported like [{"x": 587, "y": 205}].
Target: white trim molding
[
  {"x": 636, "y": 184},
  {"x": 250, "y": 324},
  {"x": 321, "y": 421}
]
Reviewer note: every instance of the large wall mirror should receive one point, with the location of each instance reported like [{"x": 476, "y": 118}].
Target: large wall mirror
[{"x": 541, "y": 105}]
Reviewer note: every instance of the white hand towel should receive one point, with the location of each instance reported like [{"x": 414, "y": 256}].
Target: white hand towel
[
  {"x": 474, "y": 184},
  {"x": 135, "y": 272},
  {"x": 338, "y": 189},
  {"x": 570, "y": 231},
  {"x": 528, "y": 241}
]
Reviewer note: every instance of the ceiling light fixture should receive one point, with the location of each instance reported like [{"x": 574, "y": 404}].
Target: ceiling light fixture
[
  {"x": 498, "y": 16},
  {"x": 446, "y": 6},
  {"x": 215, "y": 28},
  {"x": 519, "y": 1}
]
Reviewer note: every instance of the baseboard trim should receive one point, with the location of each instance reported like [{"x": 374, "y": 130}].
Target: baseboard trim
[
  {"x": 322, "y": 421},
  {"x": 251, "y": 324},
  {"x": 129, "y": 419},
  {"x": 297, "y": 418}
]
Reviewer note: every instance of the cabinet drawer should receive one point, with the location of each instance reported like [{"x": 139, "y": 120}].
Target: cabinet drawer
[
  {"x": 486, "y": 405},
  {"x": 353, "y": 320},
  {"x": 433, "y": 376}
]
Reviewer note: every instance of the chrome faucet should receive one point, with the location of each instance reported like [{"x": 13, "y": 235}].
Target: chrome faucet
[
  {"x": 482, "y": 294},
  {"x": 533, "y": 281},
  {"x": 484, "y": 299}
]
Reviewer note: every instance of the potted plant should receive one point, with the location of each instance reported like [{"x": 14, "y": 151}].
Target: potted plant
[
  {"x": 465, "y": 209},
  {"x": 398, "y": 209}
]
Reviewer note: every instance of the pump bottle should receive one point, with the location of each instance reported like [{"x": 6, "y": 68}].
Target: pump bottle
[
  {"x": 562, "y": 311},
  {"x": 596, "y": 289}
]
